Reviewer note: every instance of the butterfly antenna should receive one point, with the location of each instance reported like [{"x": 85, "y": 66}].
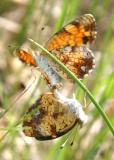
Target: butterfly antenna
[
  {"x": 65, "y": 143},
  {"x": 74, "y": 136},
  {"x": 19, "y": 96}
]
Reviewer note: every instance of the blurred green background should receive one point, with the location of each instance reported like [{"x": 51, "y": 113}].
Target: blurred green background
[{"x": 39, "y": 19}]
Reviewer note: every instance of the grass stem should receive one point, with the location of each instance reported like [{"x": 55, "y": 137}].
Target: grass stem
[{"x": 70, "y": 74}]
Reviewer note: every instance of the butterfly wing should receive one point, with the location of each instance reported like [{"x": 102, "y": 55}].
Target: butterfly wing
[
  {"x": 69, "y": 46},
  {"x": 80, "y": 60},
  {"x": 78, "y": 32},
  {"x": 48, "y": 118},
  {"x": 26, "y": 57}
]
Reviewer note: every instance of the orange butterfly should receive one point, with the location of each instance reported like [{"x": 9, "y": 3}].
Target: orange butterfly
[{"x": 69, "y": 45}]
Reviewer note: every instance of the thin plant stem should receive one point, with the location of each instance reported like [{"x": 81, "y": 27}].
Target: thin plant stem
[{"x": 70, "y": 74}]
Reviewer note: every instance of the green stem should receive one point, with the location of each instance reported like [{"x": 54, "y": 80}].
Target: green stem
[{"x": 70, "y": 74}]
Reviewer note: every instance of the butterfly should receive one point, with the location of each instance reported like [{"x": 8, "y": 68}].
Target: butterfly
[
  {"x": 69, "y": 45},
  {"x": 51, "y": 116}
]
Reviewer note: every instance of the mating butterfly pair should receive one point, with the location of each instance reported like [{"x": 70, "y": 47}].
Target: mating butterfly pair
[{"x": 53, "y": 115}]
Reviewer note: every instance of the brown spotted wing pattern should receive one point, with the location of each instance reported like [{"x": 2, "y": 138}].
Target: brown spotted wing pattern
[
  {"x": 70, "y": 46},
  {"x": 49, "y": 118}
]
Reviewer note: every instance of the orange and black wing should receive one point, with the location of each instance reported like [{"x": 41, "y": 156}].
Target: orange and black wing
[
  {"x": 26, "y": 57},
  {"x": 69, "y": 46},
  {"x": 78, "y": 32}
]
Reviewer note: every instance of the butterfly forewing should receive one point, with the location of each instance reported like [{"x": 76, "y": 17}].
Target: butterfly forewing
[{"x": 78, "y": 32}]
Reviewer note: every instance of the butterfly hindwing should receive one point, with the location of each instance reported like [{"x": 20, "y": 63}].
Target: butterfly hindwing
[
  {"x": 80, "y": 60},
  {"x": 48, "y": 118}
]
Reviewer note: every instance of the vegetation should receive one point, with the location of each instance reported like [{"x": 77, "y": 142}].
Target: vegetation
[{"x": 38, "y": 20}]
